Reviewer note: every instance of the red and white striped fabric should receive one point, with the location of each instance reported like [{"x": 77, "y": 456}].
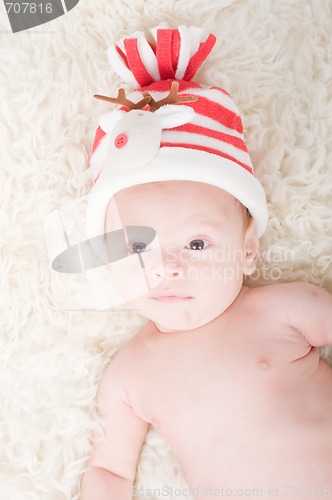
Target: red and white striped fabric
[
  {"x": 208, "y": 147},
  {"x": 169, "y": 54}
]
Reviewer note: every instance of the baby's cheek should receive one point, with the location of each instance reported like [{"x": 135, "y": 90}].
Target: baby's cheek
[
  {"x": 215, "y": 273},
  {"x": 129, "y": 277}
]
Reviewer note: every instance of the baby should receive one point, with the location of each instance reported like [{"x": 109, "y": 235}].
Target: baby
[{"x": 230, "y": 376}]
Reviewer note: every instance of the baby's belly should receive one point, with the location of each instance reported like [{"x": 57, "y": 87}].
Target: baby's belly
[
  {"x": 295, "y": 462},
  {"x": 271, "y": 435},
  {"x": 292, "y": 464}
]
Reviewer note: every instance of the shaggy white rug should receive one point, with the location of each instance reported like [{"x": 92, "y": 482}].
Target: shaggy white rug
[{"x": 274, "y": 57}]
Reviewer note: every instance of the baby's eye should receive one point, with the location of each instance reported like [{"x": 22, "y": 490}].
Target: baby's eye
[
  {"x": 137, "y": 247},
  {"x": 197, "y": 244}
]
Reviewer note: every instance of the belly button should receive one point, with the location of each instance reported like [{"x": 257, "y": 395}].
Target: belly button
[{"x": 264, "y": 364}]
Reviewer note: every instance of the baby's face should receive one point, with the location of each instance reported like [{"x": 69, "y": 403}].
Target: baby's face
[{"x": 202, "y": 248}]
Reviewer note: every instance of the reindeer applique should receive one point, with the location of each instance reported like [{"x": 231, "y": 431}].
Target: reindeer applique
[{"x": 133, "y": 137}]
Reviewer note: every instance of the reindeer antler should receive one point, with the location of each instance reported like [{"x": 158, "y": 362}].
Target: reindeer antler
[
  {"x": 172, "y": 98},
  {"x": 121, "y": 99}
]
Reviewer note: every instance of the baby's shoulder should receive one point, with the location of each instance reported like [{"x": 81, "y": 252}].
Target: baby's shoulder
[
  {"x": 128, "y": 359},
  {"x": 280, "y": 289},
  {"x": 277, "y": 298}
]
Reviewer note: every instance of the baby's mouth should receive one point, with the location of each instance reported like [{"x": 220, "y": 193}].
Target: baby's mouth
[{"x": 167, "y": 297}]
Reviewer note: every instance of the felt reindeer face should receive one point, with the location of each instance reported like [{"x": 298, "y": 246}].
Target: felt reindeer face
[{"x": 133, "y": 136}]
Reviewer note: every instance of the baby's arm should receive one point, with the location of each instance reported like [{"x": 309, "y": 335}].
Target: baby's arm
[
  {"x": 305, "y": 307},
  {"x": 113, "y": 460}
]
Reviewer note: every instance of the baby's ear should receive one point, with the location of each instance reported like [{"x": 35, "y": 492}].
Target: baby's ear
[{"x": 251, "y": 248}]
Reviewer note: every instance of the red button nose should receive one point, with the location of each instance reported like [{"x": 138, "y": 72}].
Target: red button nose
[{"x": 120, "y": 141}]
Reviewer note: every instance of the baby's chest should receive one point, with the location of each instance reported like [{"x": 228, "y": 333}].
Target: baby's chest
[{"x": 215, "y": 381}]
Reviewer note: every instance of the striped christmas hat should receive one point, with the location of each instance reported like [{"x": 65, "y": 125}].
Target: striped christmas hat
[{"x": 169, "y": 128}]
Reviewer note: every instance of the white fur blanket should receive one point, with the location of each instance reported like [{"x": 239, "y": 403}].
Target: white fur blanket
[{"x": 274, "y": 57}]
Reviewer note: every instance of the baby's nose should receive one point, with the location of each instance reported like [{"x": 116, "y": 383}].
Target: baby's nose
[
  {"x": 164, "y": 261},
  {"x": 170, "y": 270}
]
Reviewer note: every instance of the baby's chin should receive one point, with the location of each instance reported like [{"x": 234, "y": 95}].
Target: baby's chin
[
  {"x": 173, "y": 319},
  {"x": 188, "y": 314}
]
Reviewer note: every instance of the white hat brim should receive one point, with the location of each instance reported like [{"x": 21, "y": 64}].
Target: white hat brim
[{"x": 176, "y": 163}]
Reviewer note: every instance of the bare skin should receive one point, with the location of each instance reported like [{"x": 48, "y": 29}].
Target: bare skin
[{"x": 244, "y": 399}]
